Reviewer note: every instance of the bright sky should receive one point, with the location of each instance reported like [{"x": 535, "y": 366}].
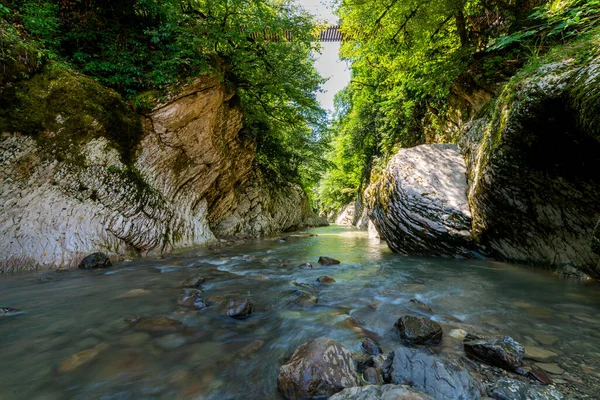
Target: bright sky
[{"x": 328, "y": 63}]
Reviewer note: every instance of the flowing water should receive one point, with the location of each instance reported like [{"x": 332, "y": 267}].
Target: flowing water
[{"x": 218, "y": 357}]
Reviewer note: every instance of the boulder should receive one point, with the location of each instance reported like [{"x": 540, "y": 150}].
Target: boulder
[
  {"x": 441, "y": 379},
  {"x": 509, "y": 389},
  {"x": 317, "y": 370},
  {"x": 328, "y": 261},
  {"x": 533, "y": 162},
  {"x": 419, "y": 205},
  {"x": 419, "y": 330},
  {"x": 192, "y": 298},
  {"x": 239, "y": 309},
  {"x": 499, "y": 351},
  {"x": 96, "y": 260},
  {"x": 386, "y": 392}
]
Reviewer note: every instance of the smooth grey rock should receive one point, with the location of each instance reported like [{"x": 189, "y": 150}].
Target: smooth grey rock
[
  {"x": 508, "y": 389},
  {"x": 317, "y": 370},
  {"x": 419, "y": 205},
  {"x": 386, "y": 392},
  {"x": 500, "y": 351},
  {"x": 94, "y": 261},
  {"x": 441, "y": 379}
]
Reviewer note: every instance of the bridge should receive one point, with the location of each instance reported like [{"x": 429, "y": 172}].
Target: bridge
[{"x": 330, "y": 34}]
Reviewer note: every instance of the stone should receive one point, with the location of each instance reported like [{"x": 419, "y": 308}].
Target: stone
[
  {"x": 540, "y": 354},
  {"x": 328, "y": 261},
  {"x": 420, "y": 305},
  {"x": 419, "y": 205},
  {"x": 385, "y": 392},
  {"x": 135, "y": 293},
  {"x": 301, "y": 299},
  {"x": 325, "y": 279},
  {"x": 156, "y": 325},
  {"x": 305, "y": 266},
  {"x": 540, "y": 376},
  {"x": 170, "y": 341},
  {"x": 440, "y": 379},
  {"x": 419, "y": 330},
  {"x": 551, "y": 368},
  {"x": 499, "y": 351},
  {"x": 372, "y": 376},
  {"x": 370, "y": 347},
  {"x": 239, "y": 309},
  {"x": 94, "y": 261},
  {"x": 81, "y": 358},
  {"x": 317, "y": 370},
  {"x": 7, "y": 311},
  {"x": 459, "y": 334},
  {"x": 508, "y": 389},
  {"x": 192, "y": 298},
  {"x": 193, "y": 281},
  {"x": 545, "y": 338},
  {"x": 251, "y": 348}
]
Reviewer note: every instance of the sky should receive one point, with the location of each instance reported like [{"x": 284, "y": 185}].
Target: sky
[{"x": 328, "y": 63}]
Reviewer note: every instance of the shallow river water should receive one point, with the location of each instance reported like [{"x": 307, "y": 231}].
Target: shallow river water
[{"x": 218, "y": 357}]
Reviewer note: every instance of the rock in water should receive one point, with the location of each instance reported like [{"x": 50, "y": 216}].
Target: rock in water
[
  {"x": 8, "y": 311},
  {"x": 386, "y": 392},
  {"x": 419, "y": 330},
  {"x": 442, "y": 380},
  {"x": 420, "y": 305},
  {"x": 157, "y": 325},
  {"x": 317, "y": 370},
  {"x": 305, "y": 266},
  {"x": 419, "y": 206},
  {"x": 328, "y": 261},
  {"x": 370, "y": 347},
  {"x": 239, "y": 309},
  {"x": 517, "y": 390},
  {"x": 96, "y": 260},
  {"x": 192, "y": 298},
  {"x": 500, "y": 351},
  {"x": 193, "y": 281},
  {"x": 325, "y": 279}
]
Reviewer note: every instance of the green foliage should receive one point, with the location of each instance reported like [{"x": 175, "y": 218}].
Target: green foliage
[{"x": 137, "y": 46}]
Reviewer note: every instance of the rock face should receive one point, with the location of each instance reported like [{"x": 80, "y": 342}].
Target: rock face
[
  {"x": 83, "y": 172},
  {"x": 533, "y": 162},
  {"x": 317, "y": 370},
  {"x": 419, "y": 205},
  {"x": 386, "y": 392},
  {"x": 419, "y": 330},
  {"x": 442, "y": 380},
  {"x": 517, "y": 390},
  {"x": 500, "y": 351}
]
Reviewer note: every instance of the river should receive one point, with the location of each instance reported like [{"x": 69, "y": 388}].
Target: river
[{"x": 218, "y": 357}]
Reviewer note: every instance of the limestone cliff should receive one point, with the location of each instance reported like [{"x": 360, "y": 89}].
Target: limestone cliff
[{"x": 83, "y": 172}]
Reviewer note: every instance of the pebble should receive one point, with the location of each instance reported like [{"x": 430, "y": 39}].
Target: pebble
[
  {"x": 551, "y": 368},
  {"x": 540, "y": 354}
]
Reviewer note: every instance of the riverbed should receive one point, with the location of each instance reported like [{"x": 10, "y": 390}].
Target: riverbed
[{"x": 73, "y": 339}]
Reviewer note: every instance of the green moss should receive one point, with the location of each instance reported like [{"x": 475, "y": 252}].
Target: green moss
[{"x": 62, "y": 110}]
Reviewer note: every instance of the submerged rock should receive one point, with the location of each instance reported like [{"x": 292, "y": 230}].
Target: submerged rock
[
  {"x": 156, "y": 325},
  {"x": 7, "y": 311},
  {"x": 81, "y": 358},
  {"x": 96, "y": 260},
  {"x": 239, "y": 309},
  {"x": 328, "y": 261},
  {"x": 500, "y": 351},
  {"x": 419, "y": 205},
  {"x": 305, "y": 266},
  {"x": 193, "y": 281},
  {"x": 540, "y": 354},
  {"x": 420, "y": 305},
  {"x": 517, "y": 390},
  {"x": 442, "y": 380},
  {"x": 192, "y": 298},
  {"x": 386, "y": 392},
  {"x": 317, "y": 370},
  {"x": 419, "y": 330},
  {"x": 325, "y": 279}
]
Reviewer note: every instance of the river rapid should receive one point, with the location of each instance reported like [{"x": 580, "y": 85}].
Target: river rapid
[{"x": 72, "y": 340}]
